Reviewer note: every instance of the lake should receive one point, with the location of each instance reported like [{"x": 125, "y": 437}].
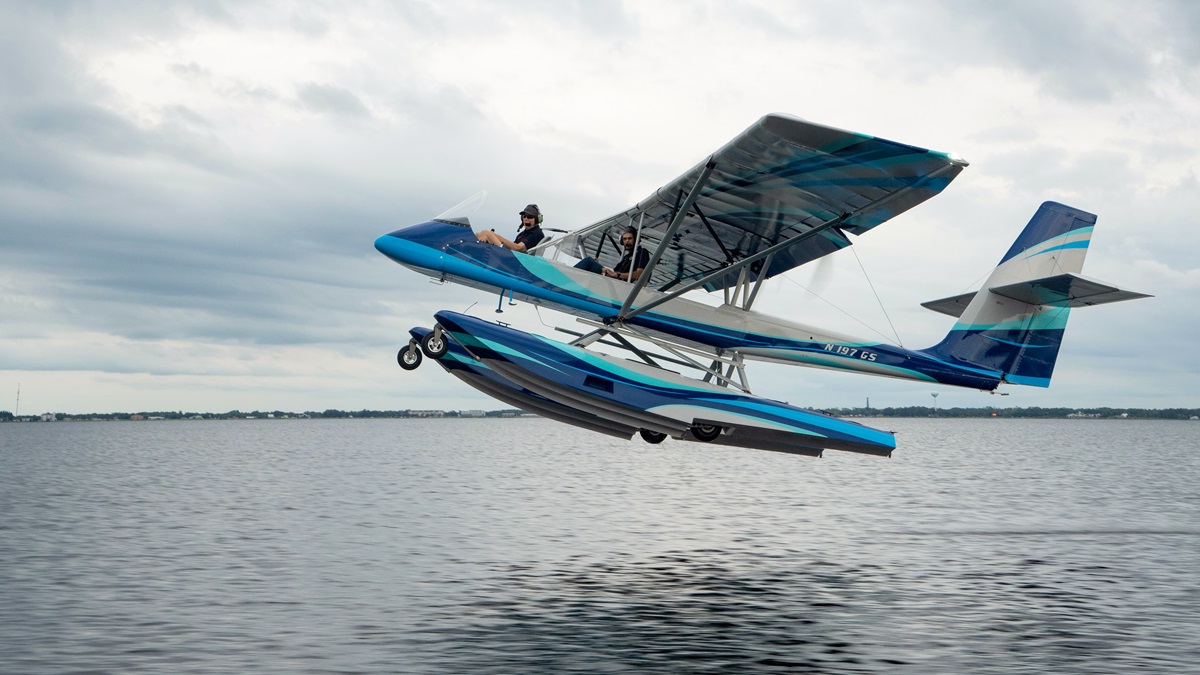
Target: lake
[{"x": 522, "y": 545}]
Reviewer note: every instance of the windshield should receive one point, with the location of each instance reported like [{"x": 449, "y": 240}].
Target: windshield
[{"x": 461, "y": 213}]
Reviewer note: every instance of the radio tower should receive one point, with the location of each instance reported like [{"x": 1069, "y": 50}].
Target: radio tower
[{"x": 18, "y": 410}]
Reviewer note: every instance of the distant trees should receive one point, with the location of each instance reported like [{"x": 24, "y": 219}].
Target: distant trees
[
  {"x": 903, "y": 411},
  {"x": 1019, "y": 413}
]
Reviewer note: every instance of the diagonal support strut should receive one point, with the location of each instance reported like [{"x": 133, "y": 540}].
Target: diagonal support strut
[{"x": 693, "y": 195}]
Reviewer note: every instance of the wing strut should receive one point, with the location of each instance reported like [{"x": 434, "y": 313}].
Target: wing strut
[
  {"x": 716, "y": 372},
  {"x": 693, "y": 194},
  {"x": 713, "y": 232},
  {"x": 762, "y": 276},
  {"x": 626, "y": 313},
  {"x": 744, "y": 262}
]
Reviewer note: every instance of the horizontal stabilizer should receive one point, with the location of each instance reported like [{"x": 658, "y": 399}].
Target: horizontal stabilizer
[
  {"x": 953, "y": 306},
  {"x": 1062, "y": 290},
  {"x": 1065, "y": 290}
]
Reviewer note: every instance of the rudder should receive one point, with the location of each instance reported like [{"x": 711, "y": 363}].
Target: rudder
[{"x": 1018, "y": 339}]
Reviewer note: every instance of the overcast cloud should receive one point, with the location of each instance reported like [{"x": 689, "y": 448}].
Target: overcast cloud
[{"x": 189, "y": 191}]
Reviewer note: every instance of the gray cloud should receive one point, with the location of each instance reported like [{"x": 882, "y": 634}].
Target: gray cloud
[
  {"x": 187, "y": 227},
  {"x": 329, "y": 99},
  {"x": 1087, "y": 51}
]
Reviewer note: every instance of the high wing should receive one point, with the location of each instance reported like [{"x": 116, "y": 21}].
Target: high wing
[{"x": 784, "y": 192}]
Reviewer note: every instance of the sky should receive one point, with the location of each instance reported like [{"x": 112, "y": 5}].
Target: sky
[{"x": 189, "y": 192}]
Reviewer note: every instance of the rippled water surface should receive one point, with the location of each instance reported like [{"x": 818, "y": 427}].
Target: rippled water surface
[{"x": 522, "y": 546}]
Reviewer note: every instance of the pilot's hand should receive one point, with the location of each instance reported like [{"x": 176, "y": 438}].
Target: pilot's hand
[{"x": 609, "y": 273}]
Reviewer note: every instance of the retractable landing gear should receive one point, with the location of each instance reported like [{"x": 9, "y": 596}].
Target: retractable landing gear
[
  {"x": 652, "y": 436},
  {"x": 706, "y": 432},
  {"x": 434, "y": 344},
  {"x": 409, "y": 357}
]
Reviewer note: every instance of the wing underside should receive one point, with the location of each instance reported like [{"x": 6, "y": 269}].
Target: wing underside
[{"x": 784, "y": 183}]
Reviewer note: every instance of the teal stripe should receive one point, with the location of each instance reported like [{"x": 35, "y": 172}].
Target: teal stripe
[
  {"x": 1074, "y": 244},
  {"x": 1054, "y": 318},
  {"x": 1028, "y": 381},
  {"x": 585, "y": 356}
]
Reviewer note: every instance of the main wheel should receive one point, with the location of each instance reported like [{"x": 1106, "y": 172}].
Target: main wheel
[
  {"x": 435, "y": 347},
  {"x": 652, "y": 436},
  {"x": 706, "y": 432},
  {"x": 409, "y": 358}
]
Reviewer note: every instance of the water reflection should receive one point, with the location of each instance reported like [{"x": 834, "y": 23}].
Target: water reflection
[
  {"x": 697, "y": 610},
  {"x": 439, "y": 546}
]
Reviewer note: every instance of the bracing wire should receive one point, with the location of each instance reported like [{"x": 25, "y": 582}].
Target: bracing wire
[
  {"x": 818, "y": 296},
  {"x": 877, "y": 298},
  {"x": 975, "y": 284}
]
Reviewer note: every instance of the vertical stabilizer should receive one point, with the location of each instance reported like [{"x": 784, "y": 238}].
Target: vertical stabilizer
[{"x": 1020, "y": 339}]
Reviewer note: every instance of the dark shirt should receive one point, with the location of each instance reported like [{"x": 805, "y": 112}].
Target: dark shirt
[
  {"x": 643, "y": 259},
  {"x": 530, "y": 237}
]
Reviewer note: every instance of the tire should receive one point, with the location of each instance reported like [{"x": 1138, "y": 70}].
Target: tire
[
  {"x": 706, "y": 433},
  {"x": 434, "y": 348},
  {"x": 409, "y": 358},
  {"x": 653, "y": 437}
]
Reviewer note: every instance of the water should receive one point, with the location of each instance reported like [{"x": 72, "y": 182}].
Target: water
[{"x": 516, "y": 546}]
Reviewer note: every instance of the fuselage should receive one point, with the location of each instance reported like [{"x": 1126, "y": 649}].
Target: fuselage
[{"x": 450, "y": 252}]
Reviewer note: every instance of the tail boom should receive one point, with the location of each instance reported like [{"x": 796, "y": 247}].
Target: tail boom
[{"x": 1015, "y": 325}]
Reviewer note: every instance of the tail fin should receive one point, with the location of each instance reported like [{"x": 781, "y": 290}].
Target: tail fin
[{"x": 1015, "y": 324}]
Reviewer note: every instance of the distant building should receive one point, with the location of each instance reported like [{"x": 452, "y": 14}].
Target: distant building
[
  {"x": 48, "y": 417},
  {"x": 426, "y": 413},
  {"x": 136, "y": 417},
  {"x": 472, "y": 413}
]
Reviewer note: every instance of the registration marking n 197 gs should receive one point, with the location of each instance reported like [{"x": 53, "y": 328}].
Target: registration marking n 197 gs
[{"x": 850, "y": 351}]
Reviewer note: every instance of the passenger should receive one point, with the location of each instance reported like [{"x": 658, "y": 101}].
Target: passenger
[
  {"x": 621, "y": 271},
  {"x": 529, "y": 236}
]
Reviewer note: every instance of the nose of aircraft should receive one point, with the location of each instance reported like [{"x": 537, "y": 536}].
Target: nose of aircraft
[
  {"x": 396, "y": 247},
  {"x": 383, "y": 245},
  {"x": 411, "y": 247}
]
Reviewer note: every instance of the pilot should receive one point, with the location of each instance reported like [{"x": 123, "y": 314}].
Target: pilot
[
  {"x": 621, "y": 271},
  {"x": 527, "y": 238}
]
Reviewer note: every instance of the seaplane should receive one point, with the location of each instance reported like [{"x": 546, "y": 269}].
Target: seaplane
[{"x": 783, "y": 193}]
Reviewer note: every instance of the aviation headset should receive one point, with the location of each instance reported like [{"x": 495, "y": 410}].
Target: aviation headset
[{"x": 538, "y": 218}]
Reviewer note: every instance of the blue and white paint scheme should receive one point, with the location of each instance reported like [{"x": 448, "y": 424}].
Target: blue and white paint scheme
[
  {"x": 476, "y": 374},
  {"x": 1009, "y": 332},
  {"x": 783, "y": 193},
  {"x": 637, "y": 396}
]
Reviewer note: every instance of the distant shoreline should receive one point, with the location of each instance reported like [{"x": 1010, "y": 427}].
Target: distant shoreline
[{"x": 906, "y": 412}]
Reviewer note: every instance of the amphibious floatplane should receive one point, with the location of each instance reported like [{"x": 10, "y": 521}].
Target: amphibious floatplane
[{"x": 783, "y": 193}]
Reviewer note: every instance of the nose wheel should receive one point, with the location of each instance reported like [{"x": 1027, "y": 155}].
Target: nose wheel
[{"x": 409, "y": 357}]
